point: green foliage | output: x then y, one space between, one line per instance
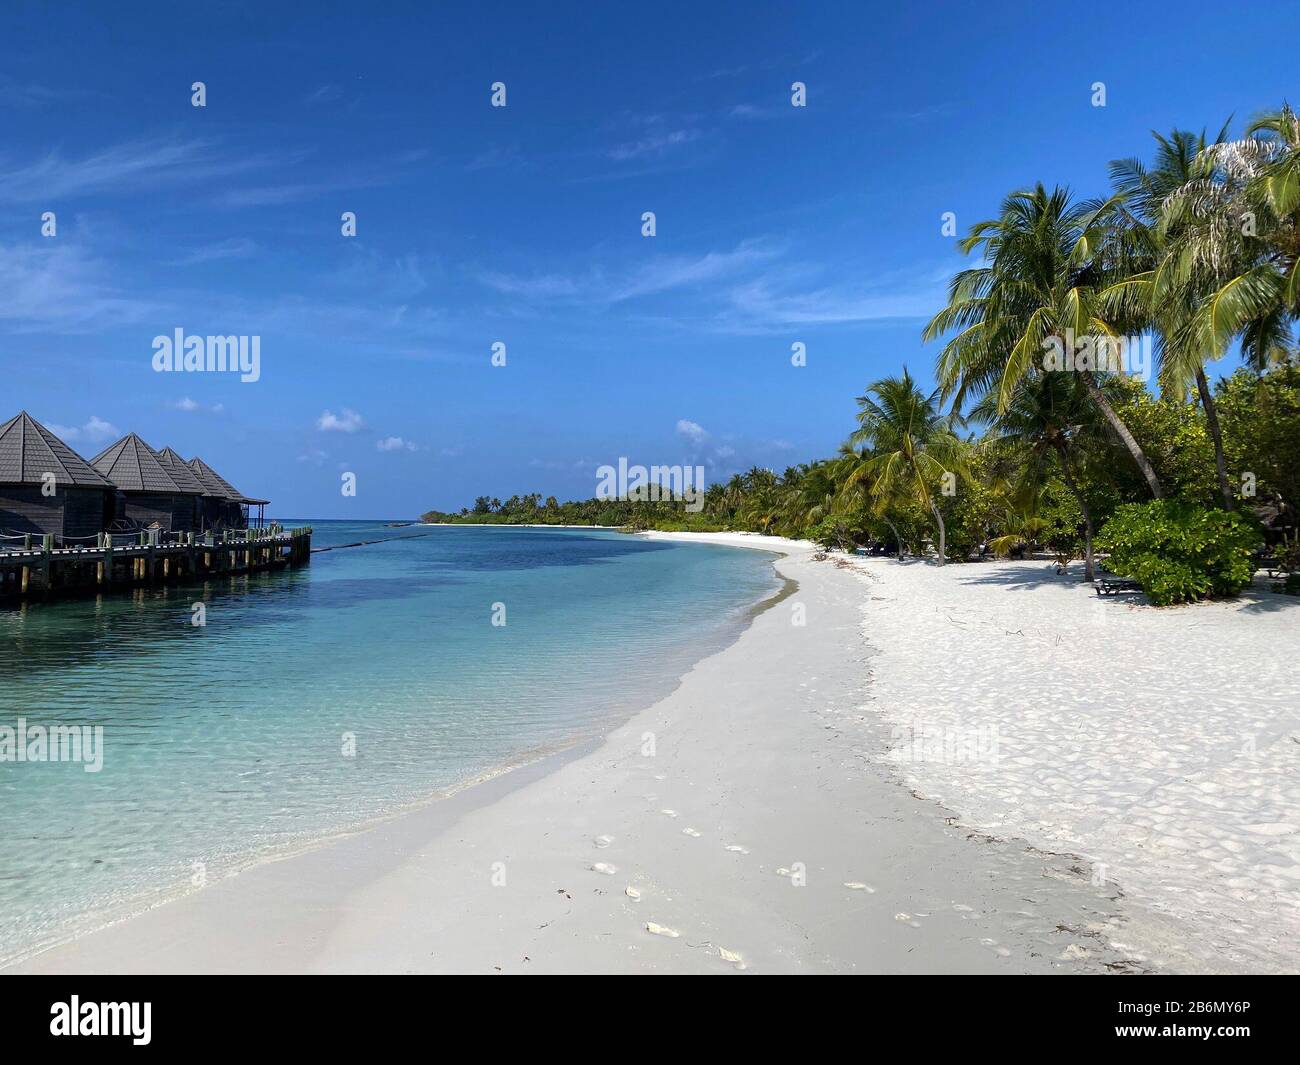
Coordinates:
1260 415
973 513
1062 517
1175 439
831 533
1179 552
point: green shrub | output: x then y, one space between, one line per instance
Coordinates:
830 533
1179 552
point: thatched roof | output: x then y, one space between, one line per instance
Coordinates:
28 451
133 467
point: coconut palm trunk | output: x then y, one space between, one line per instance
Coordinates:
1212 424
1122 431
1068 476
902 547
943 534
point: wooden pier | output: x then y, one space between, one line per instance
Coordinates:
38 569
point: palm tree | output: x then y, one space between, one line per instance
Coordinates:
1250 231
1158 298
1039 287
1048 418
806 496
1022 529
910 445
853 483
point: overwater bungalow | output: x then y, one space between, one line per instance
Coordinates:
131 516
148 495
46 487
186 478
225 504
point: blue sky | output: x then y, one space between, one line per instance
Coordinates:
522 224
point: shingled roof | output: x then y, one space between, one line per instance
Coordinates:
181 473
215 483
28 451
133 467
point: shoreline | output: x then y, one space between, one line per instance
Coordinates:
521 767
786 843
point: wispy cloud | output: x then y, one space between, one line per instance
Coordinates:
661 274
33 95
61 288
190 406
773 301
323 95
122 168
234 248
656 144
94 431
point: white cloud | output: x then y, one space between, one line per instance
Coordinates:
94 431
693 431
58 287
768 301
234 248
346 421
661 274
654 145
190 406
120 168
324 95
395 443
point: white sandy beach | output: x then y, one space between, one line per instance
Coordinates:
1163 745
756 820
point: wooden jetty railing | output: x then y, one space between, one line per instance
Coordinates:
37 568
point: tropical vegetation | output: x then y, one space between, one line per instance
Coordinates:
1043 432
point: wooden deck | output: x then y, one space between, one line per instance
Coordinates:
42 570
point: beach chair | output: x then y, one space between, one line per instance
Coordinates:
1111 585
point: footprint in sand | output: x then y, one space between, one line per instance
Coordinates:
605 868
907 919
603 841
661 930
690 832
736 848
731 956
632 893
858 885
669 813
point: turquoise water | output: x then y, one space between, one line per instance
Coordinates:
225 743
